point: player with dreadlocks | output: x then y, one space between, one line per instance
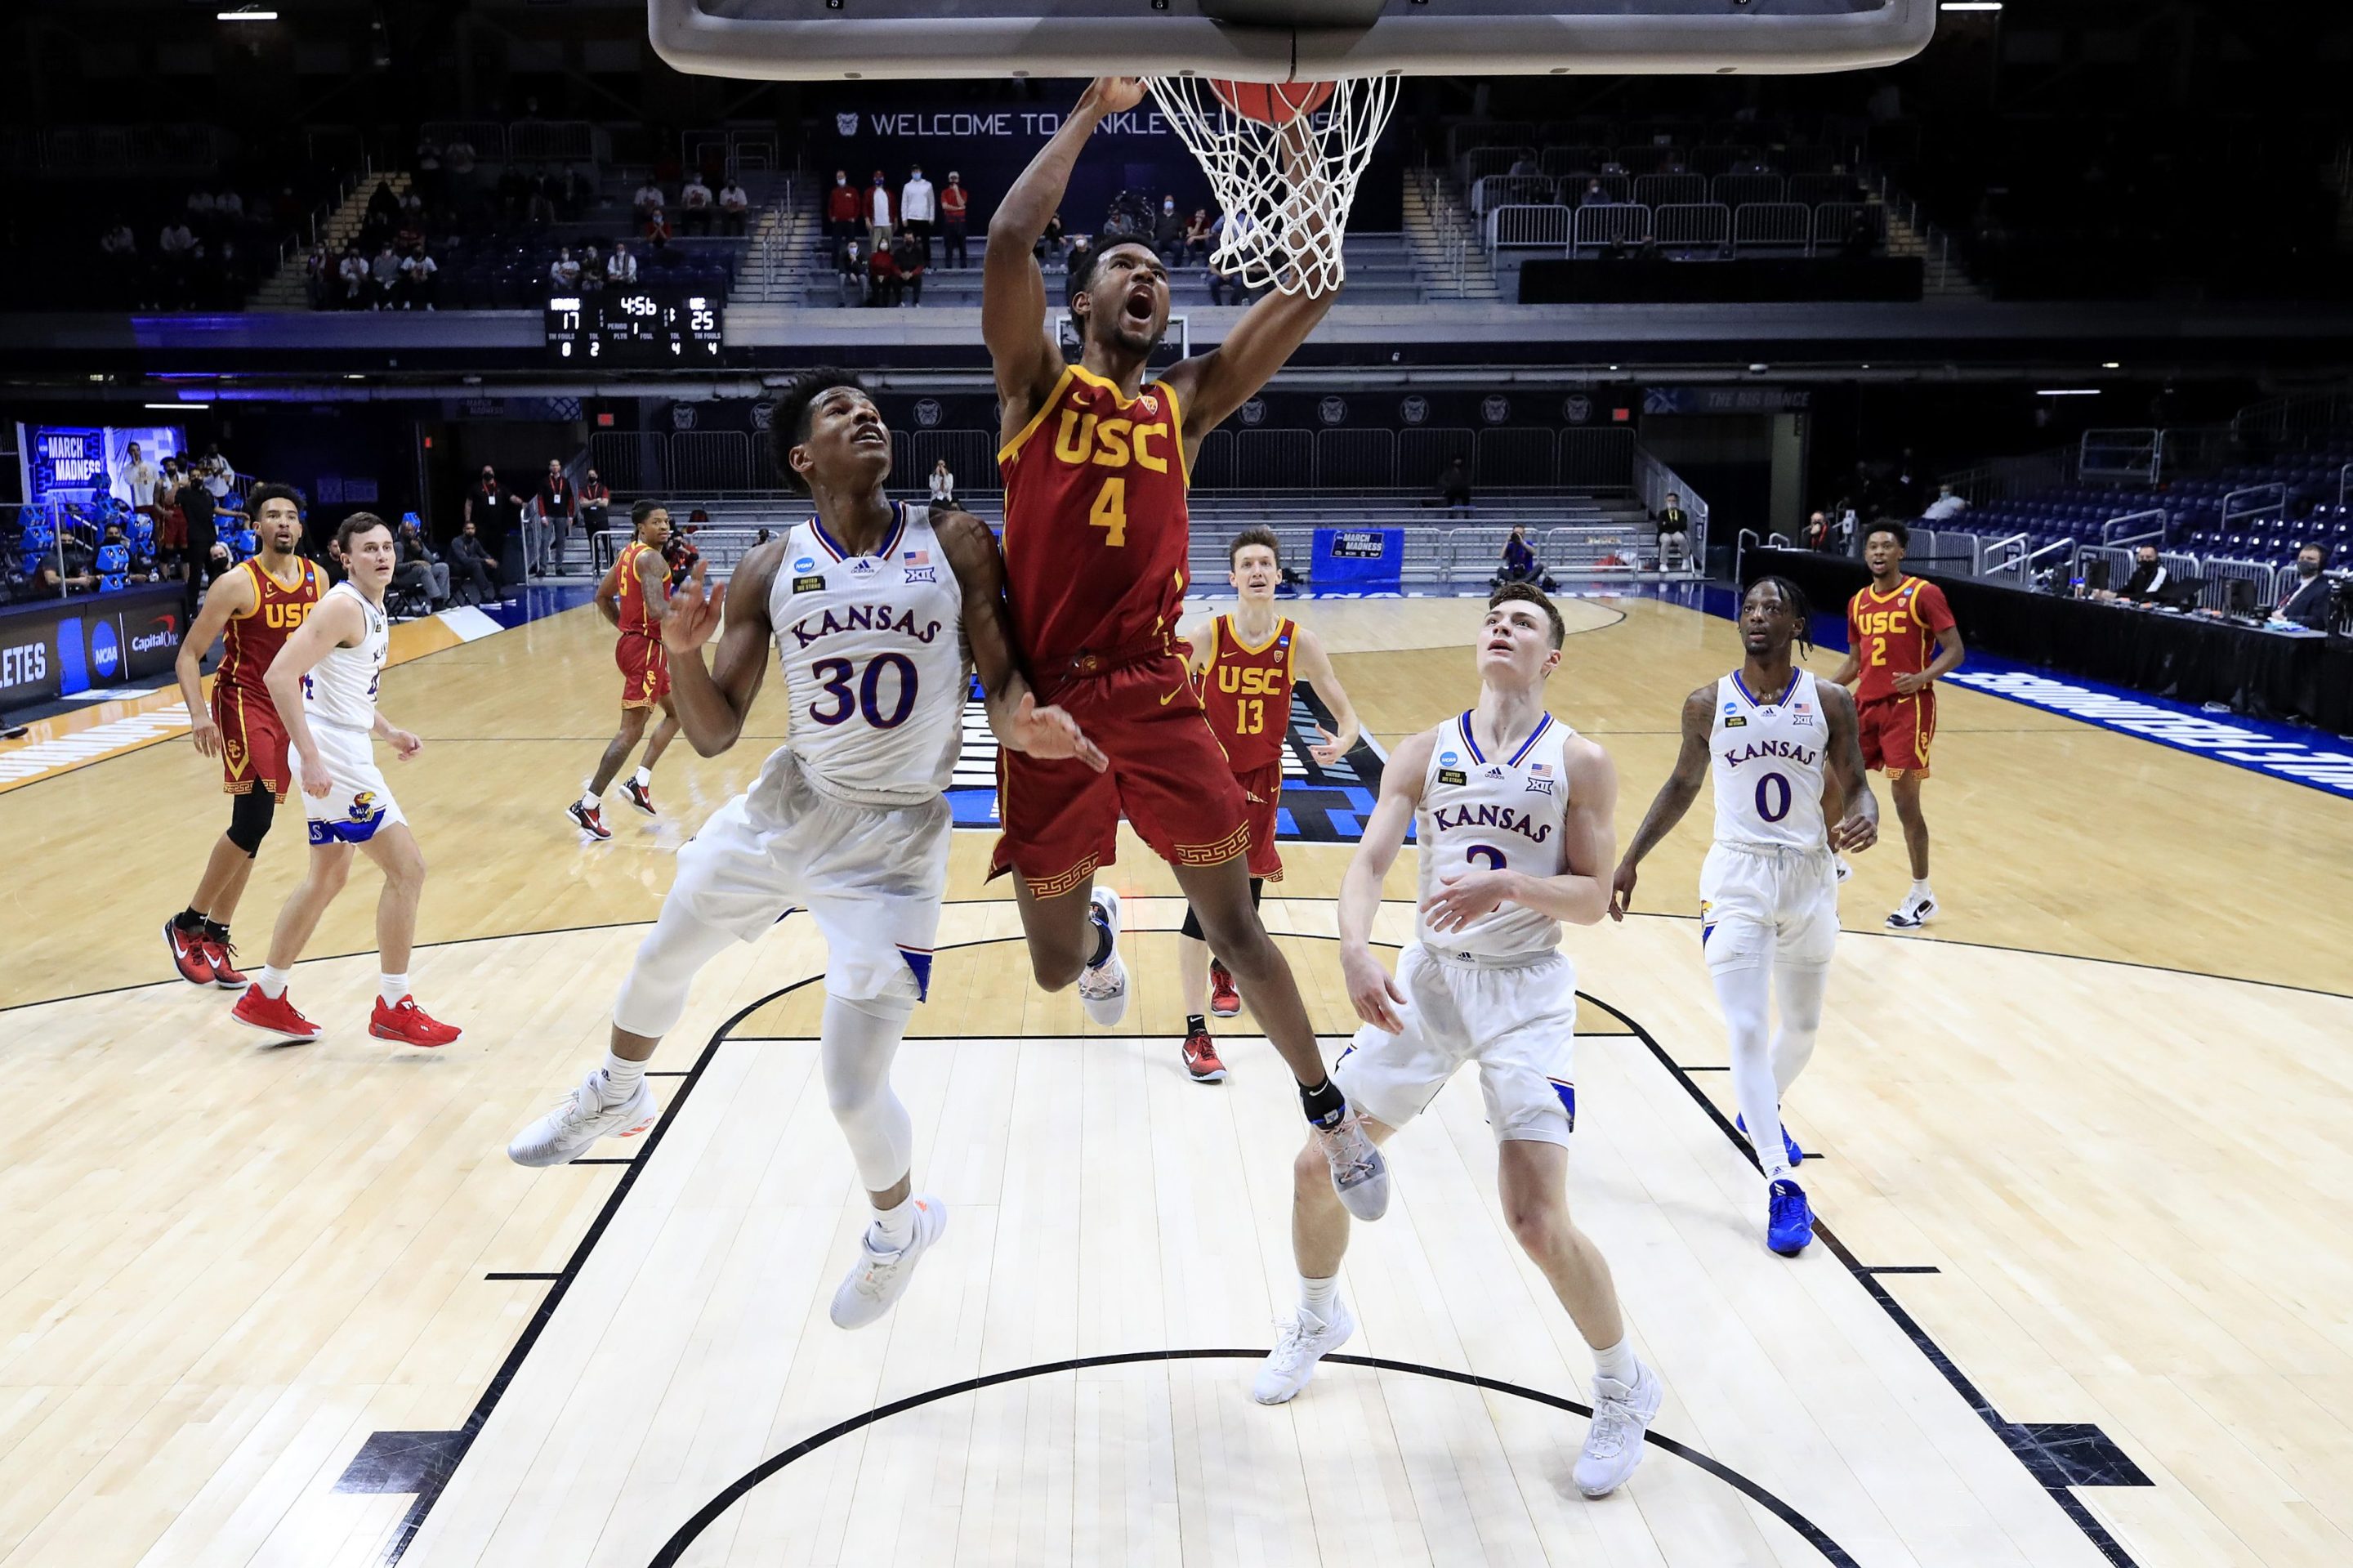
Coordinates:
1786 761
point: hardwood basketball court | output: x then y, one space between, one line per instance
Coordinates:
2080 1195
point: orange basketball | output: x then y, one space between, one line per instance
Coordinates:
1276 104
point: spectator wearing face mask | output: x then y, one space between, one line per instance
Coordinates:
1169 233
734 207
954 206
492 510
694 206
879 215
918 207
595 501
843 216
471 567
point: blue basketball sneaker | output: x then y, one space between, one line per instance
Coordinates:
1788 1145
1790 1225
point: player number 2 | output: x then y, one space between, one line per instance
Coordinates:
1772 796
1488 853
833 676
1878 651
1110 510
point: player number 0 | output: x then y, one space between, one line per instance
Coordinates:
1771 809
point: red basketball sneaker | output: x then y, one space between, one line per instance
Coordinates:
272 1016
1224 999
409 1024
188 953
589 820
223 959
1201 1059
640 796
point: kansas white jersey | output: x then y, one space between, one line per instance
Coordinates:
340 688
1769 764
872 653
1481 813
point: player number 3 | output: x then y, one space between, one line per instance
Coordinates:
833 678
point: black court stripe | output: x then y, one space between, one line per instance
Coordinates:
675 1548
2069 1503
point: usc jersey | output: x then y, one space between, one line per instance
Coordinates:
1247 692
630 591
254 637
1095 526
1894 634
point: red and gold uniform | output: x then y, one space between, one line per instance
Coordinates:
253 740
644 661
1893 634
1095 538
1247 691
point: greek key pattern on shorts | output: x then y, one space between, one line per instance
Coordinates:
1225 849
1055 886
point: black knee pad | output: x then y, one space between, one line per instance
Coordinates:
250 819
1192 926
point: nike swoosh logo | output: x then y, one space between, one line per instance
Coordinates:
1172 696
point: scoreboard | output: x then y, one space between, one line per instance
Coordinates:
636 327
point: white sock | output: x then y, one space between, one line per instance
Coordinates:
271 982
894 1227
588 800
1316 1296
1617 1362
622 1078
645 777
1920 888
392 988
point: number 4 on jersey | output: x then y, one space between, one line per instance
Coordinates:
1110 510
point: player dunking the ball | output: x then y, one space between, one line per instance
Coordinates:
324 682
1781 746
1095 462
1246 663
634 596
1511 812
257 607
1900 636
876 609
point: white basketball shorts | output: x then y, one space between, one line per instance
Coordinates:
1766 905
357 802
1517 1022
871 877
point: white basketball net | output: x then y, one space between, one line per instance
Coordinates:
1286 189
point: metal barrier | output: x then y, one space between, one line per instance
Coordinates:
1213 465
1480 162
1503 190
1760 224
1618 224
1602 459
2136 454
1424 451
487 138
552 142
2254 501
1671 190
1356 460
1572 191
2217 572
630 460
1572 158
1512 458
2156 515
1527 225
1747 190
1274 460
723 547
1692 223
2344 486
2004 557
710 459
1834 223
971 458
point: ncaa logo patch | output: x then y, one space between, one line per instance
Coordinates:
808 564
1448 759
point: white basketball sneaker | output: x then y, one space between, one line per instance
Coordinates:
1917 910
1303 1342
566 1133
1613 1444
1359 1174
1104 986
878 1279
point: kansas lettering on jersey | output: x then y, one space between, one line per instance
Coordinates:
254 637
1767 763
1484 813
1247 692
340 688
630 593
1095 524
1894 634
872 648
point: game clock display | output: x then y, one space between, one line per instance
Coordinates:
637 327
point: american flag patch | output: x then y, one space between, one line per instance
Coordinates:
1540 769
916 558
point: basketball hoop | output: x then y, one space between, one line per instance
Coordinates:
1284 160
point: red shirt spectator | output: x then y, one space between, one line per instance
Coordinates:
842 201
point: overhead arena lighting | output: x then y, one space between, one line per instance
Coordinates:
175 407
1971 5
2068 392
247 13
